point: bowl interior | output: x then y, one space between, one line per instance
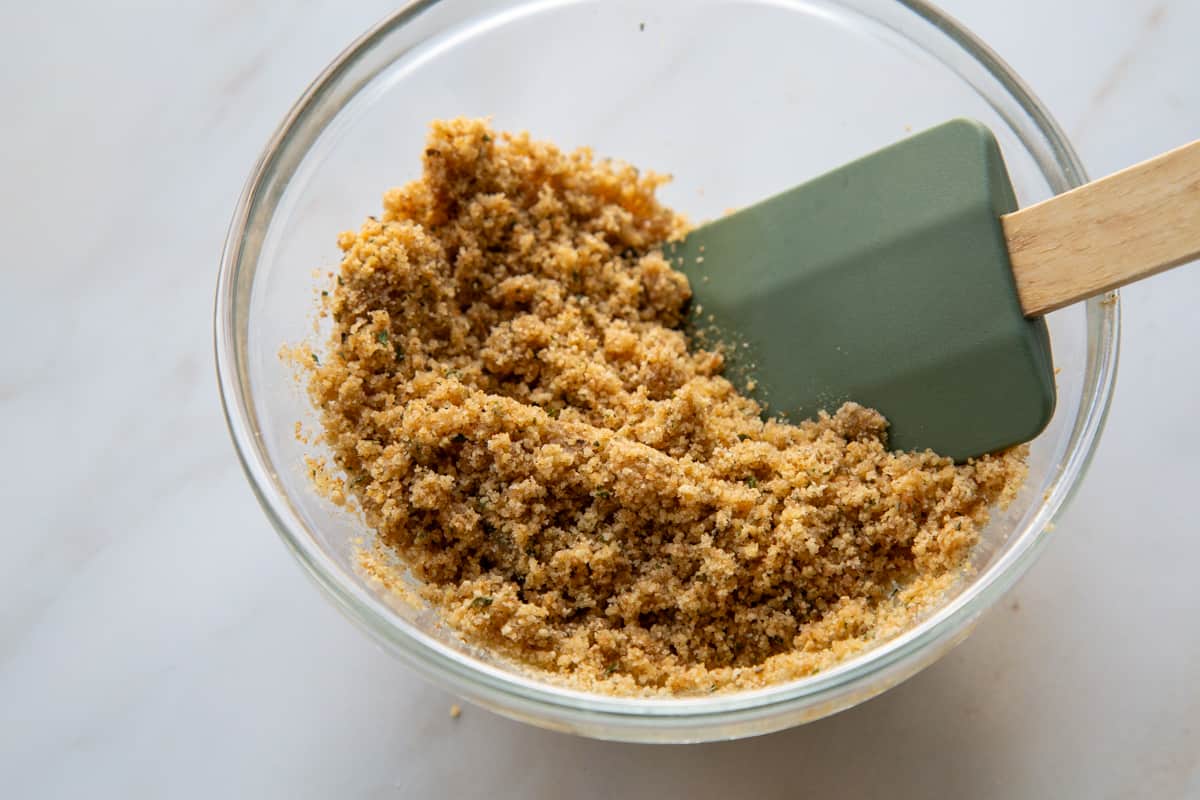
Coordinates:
736 99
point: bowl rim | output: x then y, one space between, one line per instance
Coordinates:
546 702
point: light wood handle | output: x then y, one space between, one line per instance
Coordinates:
1108 233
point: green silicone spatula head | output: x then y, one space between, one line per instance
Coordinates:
887 282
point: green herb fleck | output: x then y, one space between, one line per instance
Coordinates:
752 482
340 281
611 668
742 437
382 337
315 359
324 293
399 354
553 412
603 493
483 601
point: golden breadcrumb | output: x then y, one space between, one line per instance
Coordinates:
509 397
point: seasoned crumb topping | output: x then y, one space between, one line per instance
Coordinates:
515 408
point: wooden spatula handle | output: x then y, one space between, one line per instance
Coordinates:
1111 232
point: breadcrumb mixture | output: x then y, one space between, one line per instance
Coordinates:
514 406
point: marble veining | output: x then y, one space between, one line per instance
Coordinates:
157 641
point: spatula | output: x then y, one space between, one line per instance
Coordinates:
907 281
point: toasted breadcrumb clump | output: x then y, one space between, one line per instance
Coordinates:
517 411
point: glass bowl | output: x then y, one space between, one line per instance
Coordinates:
738 99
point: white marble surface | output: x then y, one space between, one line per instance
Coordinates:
157 641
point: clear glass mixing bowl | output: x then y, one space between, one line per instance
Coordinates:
738 99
